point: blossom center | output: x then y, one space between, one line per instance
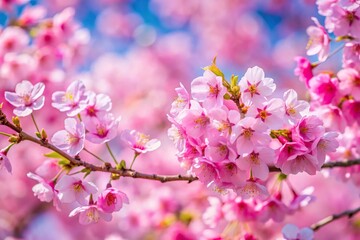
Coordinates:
78 187
111 199
247 133
254 157
214 90
93 215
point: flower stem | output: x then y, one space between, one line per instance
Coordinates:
92 154
111 153
315 64
33 118
6 134
135 156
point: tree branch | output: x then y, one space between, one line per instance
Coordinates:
76 161
107 167
329 219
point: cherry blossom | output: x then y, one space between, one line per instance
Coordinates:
72 138
72 101
139 142
72 189
26 98
111 200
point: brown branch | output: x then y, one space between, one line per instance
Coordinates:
341 164
76 161
329 219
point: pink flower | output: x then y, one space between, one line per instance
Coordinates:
294 108
205 170
208 89
272 208
194 120
303 70
72 101
301 163
97 103
139 142
319 42
308 129
294 157
31 15
271 113
292 232
323 88
90 214
72 138
101 129
73 189
344 21
181 102
256 162
351 111
255 86
13 39
326 144
218 150
44 190
349 82
252 189
248 133
26 98
112 200
351 55
4 160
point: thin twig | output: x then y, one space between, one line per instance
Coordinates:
329 219
76 161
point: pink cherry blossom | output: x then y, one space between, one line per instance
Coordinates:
102 128
301 163
205 170
4 160
271 113
323 88
248 133
72 101
13 39
351 111
31 15
252 189
139 142
255 86
273 208
292 232
256 162
328 143
349 82
218 150
319 41
208 89
111 200
97 103
303 69
45 190
73 189
294 108
26 98
181 102
344 21
72 138
351 55
309 128
194 120
90 214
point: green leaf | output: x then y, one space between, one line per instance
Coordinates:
62 160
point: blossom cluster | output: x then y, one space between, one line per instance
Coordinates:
335 94
228 138
89 118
